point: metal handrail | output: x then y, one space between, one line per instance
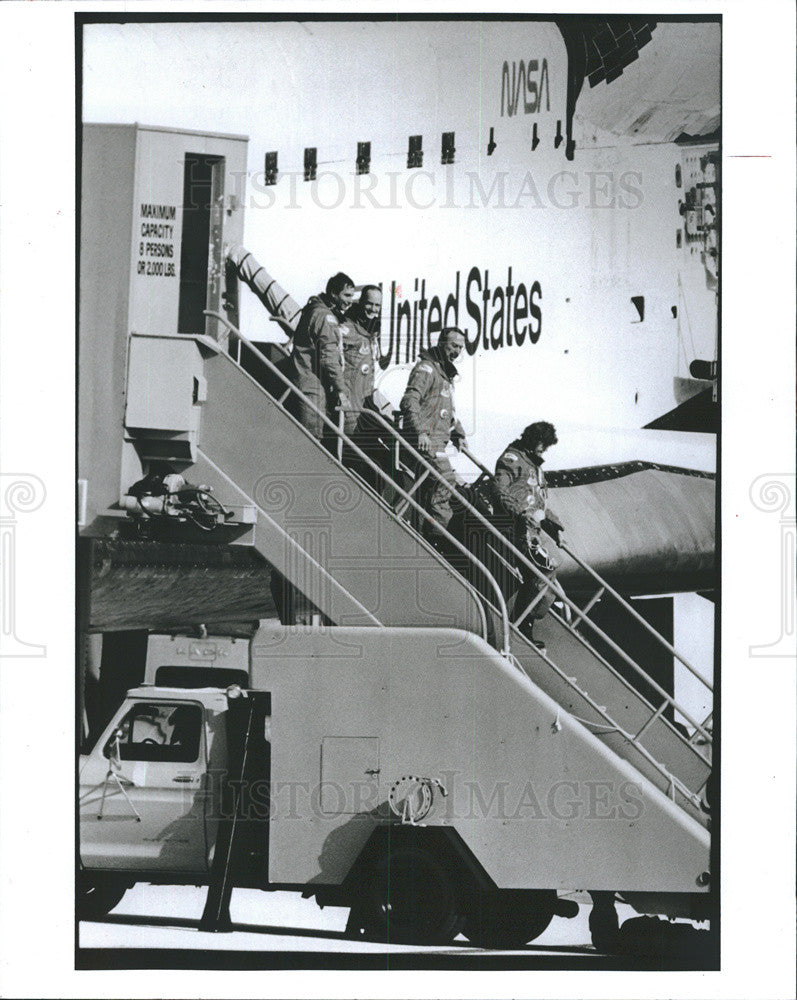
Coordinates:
667 699
609 589
566 600
420 460
613 725
385 477
635 614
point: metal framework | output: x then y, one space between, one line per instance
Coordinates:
579 615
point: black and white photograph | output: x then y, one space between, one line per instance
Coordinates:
405 480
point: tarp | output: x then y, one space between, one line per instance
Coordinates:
163 586
646 528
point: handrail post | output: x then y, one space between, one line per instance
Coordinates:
588 606
519 619
635 614
341 425
401 508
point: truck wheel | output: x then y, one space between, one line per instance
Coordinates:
509 918
411 898
97 895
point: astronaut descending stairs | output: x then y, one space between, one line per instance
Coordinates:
359 563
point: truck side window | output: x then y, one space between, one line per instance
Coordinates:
159 732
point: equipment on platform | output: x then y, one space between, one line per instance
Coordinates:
170 496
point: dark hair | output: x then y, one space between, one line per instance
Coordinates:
338 282
369 288
446 332
540 432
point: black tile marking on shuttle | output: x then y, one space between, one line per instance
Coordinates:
415 152
310 163
270 168
603 473
699 413
598 48
363 164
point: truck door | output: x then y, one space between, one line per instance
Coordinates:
143 788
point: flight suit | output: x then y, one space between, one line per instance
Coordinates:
519 498
428 408
318 320
348 356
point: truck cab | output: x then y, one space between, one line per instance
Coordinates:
459 803
145 799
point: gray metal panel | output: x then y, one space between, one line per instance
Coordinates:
538 799
160 159
190 131
106 209
123 168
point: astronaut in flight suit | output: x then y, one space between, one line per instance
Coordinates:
515 502
519 499
349 351
430 421
321 316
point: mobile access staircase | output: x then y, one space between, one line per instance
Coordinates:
361 563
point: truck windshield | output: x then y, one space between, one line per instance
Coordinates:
158 731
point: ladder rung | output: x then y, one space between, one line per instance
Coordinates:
512 569
588 606
401 508
656 715
534 603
